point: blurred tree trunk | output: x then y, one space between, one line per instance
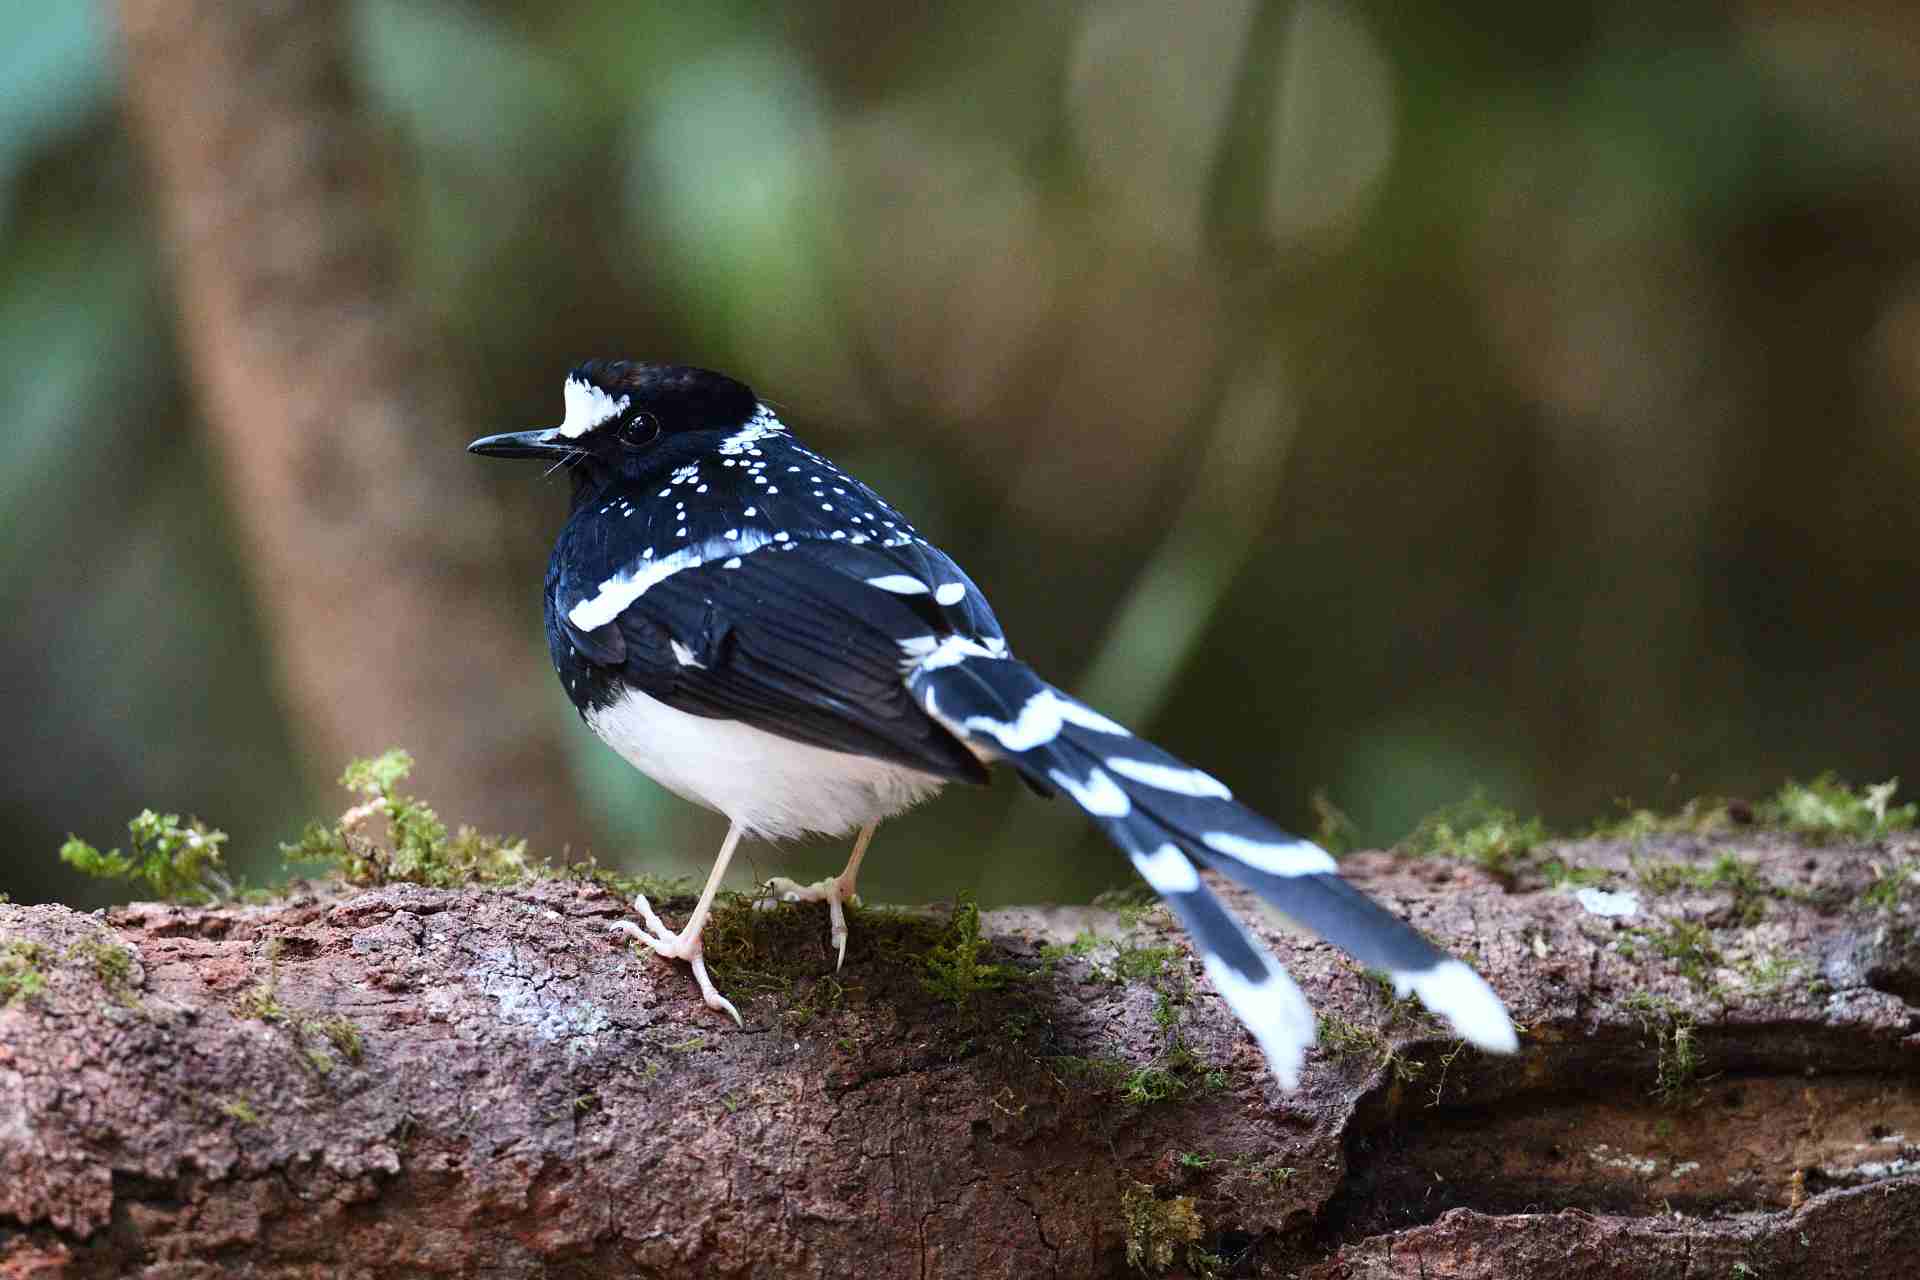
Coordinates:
373 543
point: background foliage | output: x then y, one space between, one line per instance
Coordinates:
1380 398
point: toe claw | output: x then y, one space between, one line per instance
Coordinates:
710 994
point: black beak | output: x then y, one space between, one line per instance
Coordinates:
546 443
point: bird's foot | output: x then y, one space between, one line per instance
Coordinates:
833 891
676 946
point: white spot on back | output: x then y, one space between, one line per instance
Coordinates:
950 593
900 584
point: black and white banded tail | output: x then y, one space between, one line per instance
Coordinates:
1165 815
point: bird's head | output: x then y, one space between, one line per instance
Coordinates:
625 418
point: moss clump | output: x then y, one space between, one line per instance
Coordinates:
1890 884
1333 830
416 848
261 1002
1749 888
954 972
1828 809
1702 815
111 964
1774 969
1677 1061
240 1109
1084 943
177 862
1140 964
1688 945
1344 1038
343 1035
1159 1231
1477 830
1564 875
755 952
1132 903
1691 948
21 978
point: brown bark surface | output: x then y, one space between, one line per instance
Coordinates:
374 545
420 1082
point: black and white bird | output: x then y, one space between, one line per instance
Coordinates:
764 635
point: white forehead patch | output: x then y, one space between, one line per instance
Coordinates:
587 407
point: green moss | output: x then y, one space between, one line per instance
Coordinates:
1159 1231
1702 815
111 964
1772 970
414 847
1333 830
1139 964
1073 1073
1344 1038
1890 885
1477 830
1750 889
176 862
954 972
1196 1160
261 1001
240 1109
1679 1067
1564 875
1677 1061
1150 1086
21 978
1132 903
1084 943
1828 809
1691 948
343 1035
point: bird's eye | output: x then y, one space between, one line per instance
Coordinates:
639 430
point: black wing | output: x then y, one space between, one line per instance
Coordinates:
793 638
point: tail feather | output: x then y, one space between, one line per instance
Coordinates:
1166 815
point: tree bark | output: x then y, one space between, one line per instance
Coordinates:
375 548
418 1082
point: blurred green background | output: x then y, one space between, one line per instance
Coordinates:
1390 399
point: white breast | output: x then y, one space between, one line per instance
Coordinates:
773 786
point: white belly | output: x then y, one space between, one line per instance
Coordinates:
772 786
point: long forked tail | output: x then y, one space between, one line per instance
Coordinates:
1165 815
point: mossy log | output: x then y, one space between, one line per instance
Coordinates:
434 1082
